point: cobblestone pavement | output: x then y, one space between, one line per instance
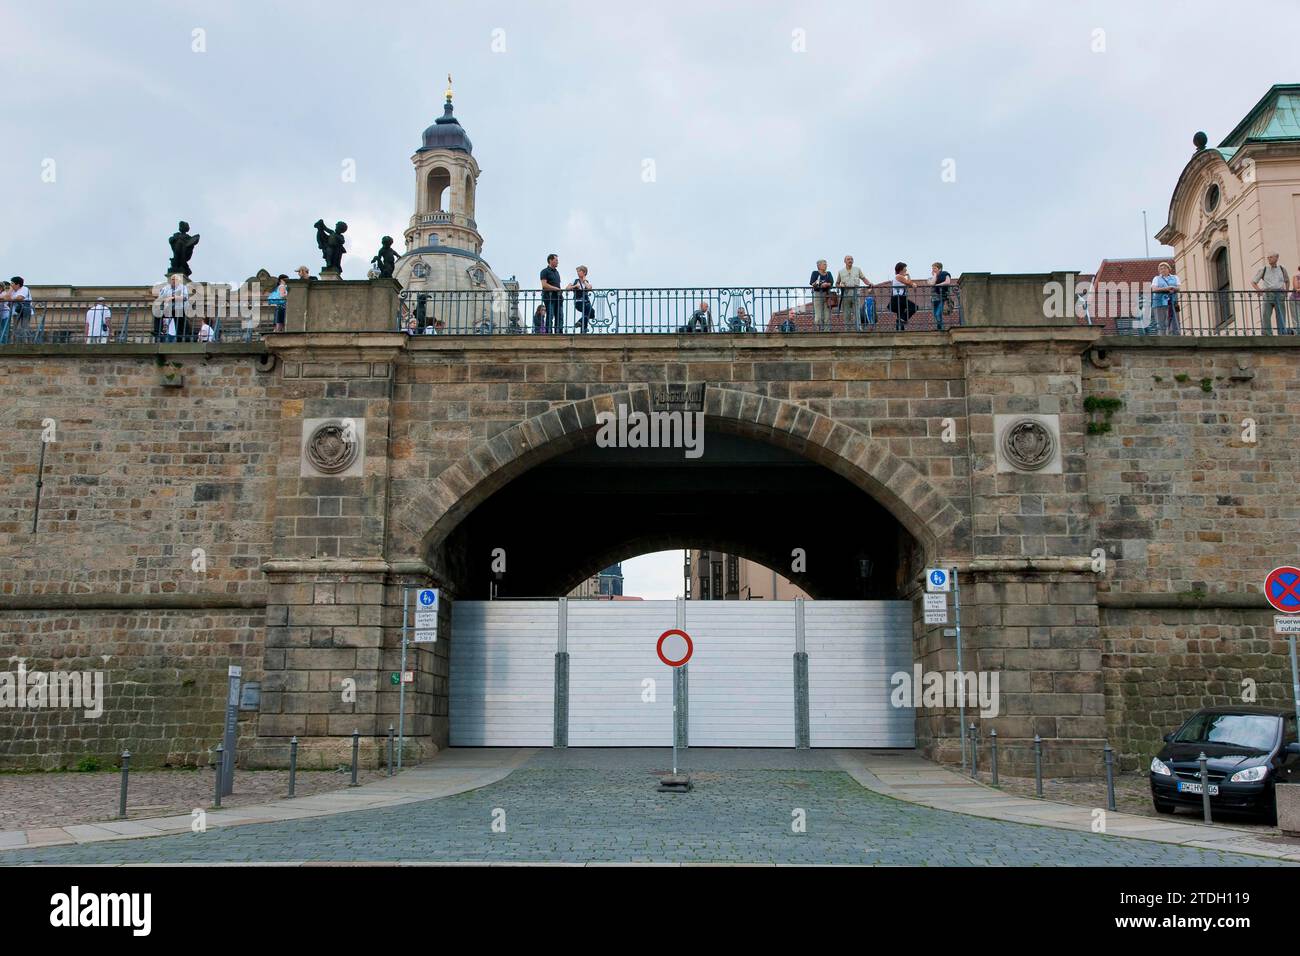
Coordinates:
31 800
602 806
1132 795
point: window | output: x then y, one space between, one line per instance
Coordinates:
1212 196
439 182
1221 276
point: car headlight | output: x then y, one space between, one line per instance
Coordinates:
1249 775
1158 766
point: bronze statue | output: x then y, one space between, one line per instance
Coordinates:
385 258
330 242
182 244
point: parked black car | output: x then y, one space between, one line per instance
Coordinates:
1249 749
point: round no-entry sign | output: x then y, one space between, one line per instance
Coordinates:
674 647
1282 588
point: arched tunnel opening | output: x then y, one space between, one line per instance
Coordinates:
564 520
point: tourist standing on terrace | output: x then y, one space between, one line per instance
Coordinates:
20 307
850 278
553 295
583 311
97 317
1271 282
169 310
1164 304
1295 301
821 282
940 281
279 297
900 303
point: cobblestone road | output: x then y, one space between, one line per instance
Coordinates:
602 806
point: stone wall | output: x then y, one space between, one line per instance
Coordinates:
1192 518
138 477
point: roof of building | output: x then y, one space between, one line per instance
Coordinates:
446 132
1275 117
1118 289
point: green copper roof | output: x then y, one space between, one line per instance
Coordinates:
1275 117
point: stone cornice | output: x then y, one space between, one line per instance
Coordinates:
131 602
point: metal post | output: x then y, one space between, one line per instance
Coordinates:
1038 765
974 752
219 767
121 797
1205 785
1295 682
401 682
1110 776
40 480
293 763
390 750
993 754
356 747
961 693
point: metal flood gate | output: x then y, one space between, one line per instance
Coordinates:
763 674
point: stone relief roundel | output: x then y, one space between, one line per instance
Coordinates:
332 447
1028 444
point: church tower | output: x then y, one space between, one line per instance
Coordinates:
443 244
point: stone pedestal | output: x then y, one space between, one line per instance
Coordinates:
1288 808
329 273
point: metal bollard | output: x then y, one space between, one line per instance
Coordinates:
390 749
993 754
1038 765
121 797
1205 785
356 746
1110 777
216 789
974 752
293 763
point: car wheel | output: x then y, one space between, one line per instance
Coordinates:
1161 806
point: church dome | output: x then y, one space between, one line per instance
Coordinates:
447 133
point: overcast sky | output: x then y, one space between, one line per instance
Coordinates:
772 133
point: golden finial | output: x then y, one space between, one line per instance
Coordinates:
448 87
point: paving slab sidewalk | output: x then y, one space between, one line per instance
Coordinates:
453 771
907 776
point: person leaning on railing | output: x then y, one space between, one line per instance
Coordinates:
279 297
849 280
1272 282
1164 304
940 299
900 303
583 310
19 297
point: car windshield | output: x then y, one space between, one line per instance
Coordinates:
1251 731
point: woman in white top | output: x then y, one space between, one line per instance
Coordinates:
206 333
97 317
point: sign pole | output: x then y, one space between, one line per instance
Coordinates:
401 687
1295 682
961 696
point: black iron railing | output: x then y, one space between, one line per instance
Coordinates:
732 309
141 319
1139 311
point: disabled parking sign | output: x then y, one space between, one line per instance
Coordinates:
1282 588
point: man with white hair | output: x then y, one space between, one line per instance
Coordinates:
1271 282
97 318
